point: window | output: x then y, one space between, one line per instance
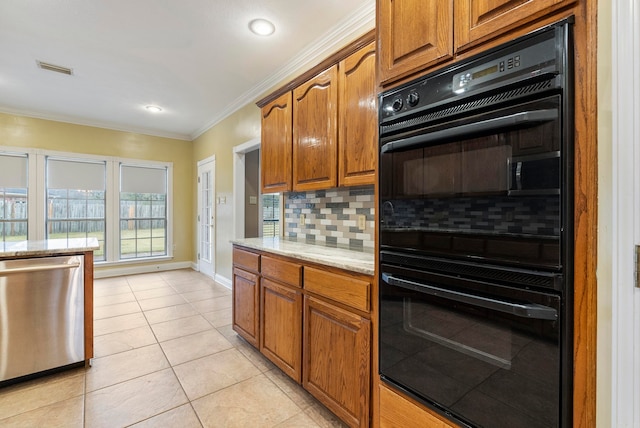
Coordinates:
271 214
13 197
76 201
124 203
143 211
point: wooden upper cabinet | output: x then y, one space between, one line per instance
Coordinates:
358 117
276 145
315 132
413 35
479 19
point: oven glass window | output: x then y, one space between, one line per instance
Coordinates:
491 368
498 191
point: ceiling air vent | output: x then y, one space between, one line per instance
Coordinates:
56 68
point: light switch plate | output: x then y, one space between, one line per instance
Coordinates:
302 219
362 222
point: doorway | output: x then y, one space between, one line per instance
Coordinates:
239 168
252 195
269 211
206 216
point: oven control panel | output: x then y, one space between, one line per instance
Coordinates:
531 61
508 64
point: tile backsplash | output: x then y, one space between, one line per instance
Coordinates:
331 216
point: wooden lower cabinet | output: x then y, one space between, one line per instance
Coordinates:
337 360
246 305
312 323
397 411
281 327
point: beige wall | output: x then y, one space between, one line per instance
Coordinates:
240 127
19 131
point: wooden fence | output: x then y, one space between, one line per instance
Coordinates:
80 216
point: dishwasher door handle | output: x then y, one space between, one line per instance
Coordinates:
31 269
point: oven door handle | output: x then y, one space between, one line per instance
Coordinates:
525 310
517 119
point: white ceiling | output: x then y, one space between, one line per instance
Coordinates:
194 58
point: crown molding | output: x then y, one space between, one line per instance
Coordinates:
354 26
96 124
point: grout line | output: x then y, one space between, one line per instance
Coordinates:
236 344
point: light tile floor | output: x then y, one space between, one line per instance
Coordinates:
165 356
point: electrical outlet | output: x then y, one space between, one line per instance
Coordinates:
302 219
362 222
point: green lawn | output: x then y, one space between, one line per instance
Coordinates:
128 241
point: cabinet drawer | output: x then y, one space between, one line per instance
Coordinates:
246 259
340 288
282 271
397 411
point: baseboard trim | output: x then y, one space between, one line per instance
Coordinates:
108 272
223 281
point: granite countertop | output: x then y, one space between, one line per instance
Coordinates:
360 260
46 247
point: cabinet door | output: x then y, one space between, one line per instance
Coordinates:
315 132
480 19
245 305
413 35
357 136
281 327
276 145
337 357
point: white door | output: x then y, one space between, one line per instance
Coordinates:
625 167
206 216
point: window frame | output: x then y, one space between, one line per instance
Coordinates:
37 199
50 220
276 222
136 218
21 154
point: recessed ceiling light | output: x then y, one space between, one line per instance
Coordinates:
262 27
154 109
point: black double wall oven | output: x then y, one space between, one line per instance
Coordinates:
476 235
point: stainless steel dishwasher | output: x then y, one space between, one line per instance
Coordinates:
41 314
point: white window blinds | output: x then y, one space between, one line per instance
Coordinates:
67 174
139 179
13 171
